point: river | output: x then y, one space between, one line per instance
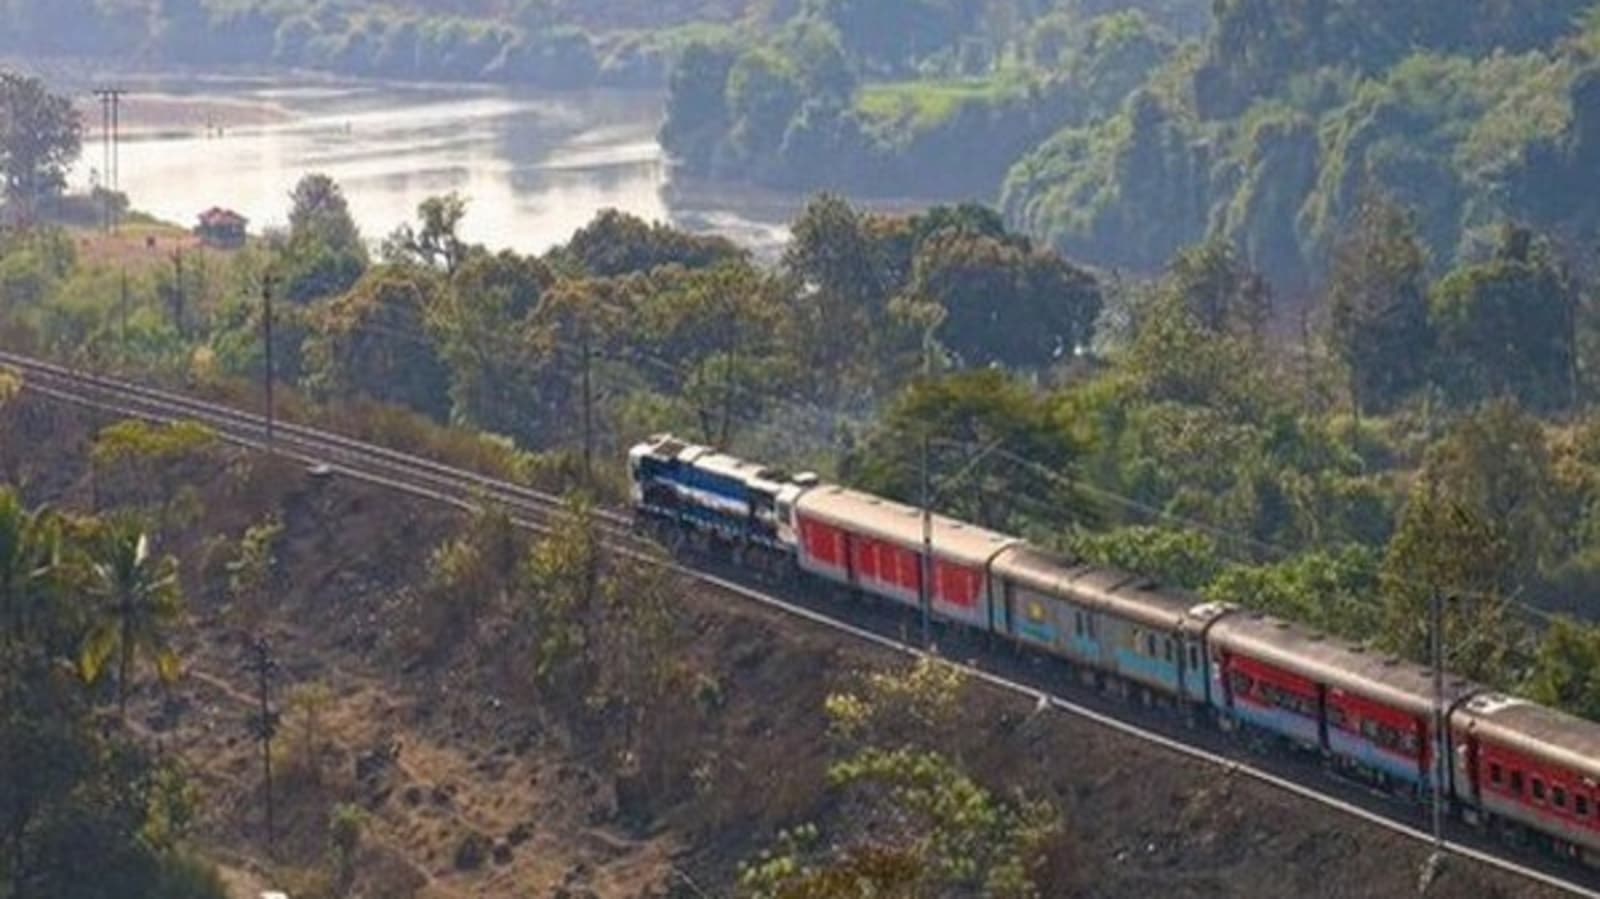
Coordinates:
535 165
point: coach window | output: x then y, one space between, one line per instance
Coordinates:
1150 645
1558 795
1538 788
1497 774
1194 657
1168 650
1580 805
1337 717
1242 683
1516 782
1077 623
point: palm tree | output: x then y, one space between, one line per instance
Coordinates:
138 599
31 569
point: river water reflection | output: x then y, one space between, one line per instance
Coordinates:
536 166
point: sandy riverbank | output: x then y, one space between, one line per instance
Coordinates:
144 114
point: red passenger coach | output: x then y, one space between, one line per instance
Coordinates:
1531 766
1366 710
875 545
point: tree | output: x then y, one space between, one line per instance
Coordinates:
616 243
764 93
437 243
600 625
1481 524
723 330
1176 358
1506 326
913 706
138 600
253 572
697 110
76 796
1186 559
40 136
963 414
1222 293
483 324
325 254
371 342
841 270
319 212
1566 669
1006 303
1378 306
32 571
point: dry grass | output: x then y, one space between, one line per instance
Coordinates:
140 247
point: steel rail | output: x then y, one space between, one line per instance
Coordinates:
441 483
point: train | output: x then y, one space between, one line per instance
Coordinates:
1511 766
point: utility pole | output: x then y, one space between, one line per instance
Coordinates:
1435 861
177 291
925 582
266 328
110 126
105 159
588 400
729 373
265 723
122 308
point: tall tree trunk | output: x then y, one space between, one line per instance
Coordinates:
125 650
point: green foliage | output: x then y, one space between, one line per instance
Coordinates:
1331 590
919 106
324 255
436 242
484 325
253 571
137 599
934 829
916 706
1005 302
966 837
1566 669
1180 558
40 135
1506 327
616 243
138 441
468 576
961 415
597 624
1480 525
345 825
80 796
371 342
1378 315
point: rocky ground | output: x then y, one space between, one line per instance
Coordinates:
470 790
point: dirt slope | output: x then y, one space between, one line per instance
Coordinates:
469 790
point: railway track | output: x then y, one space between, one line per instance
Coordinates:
532 509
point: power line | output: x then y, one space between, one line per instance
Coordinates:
1282 553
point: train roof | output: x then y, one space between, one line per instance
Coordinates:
1533 730
712 460
892 522
1116 592
1337 663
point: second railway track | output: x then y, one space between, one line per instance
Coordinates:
532 508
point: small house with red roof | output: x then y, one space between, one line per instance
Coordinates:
222 228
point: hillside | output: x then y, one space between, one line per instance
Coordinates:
469 784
